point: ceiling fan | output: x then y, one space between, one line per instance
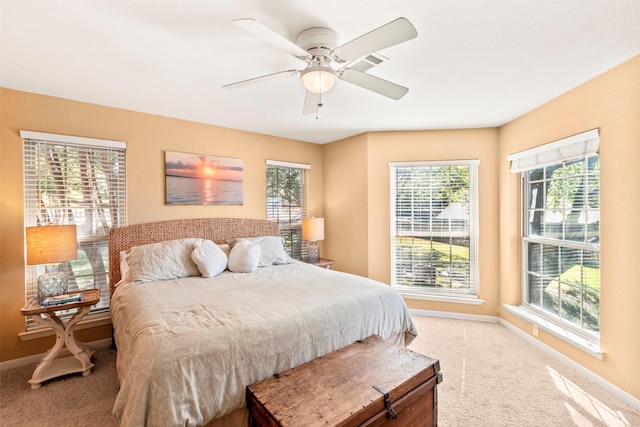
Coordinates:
327 61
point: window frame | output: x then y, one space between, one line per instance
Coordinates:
469 295
577 147
291 228
561 244
93 238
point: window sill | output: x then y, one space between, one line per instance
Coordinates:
37 333
442 298
553 328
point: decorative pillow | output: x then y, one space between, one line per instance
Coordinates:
163 261
272 250
244 257
210 258
125 276
225 248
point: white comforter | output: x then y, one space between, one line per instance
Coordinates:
187 348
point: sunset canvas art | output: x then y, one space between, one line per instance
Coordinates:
197 179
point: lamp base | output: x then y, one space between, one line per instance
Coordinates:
313 252
52 283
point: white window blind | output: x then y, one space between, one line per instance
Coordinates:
287 202
434 227
81 181
578 146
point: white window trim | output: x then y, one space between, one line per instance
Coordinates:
455 299
291 165
574 147
475 162
74 140
444 296
93 319
551 326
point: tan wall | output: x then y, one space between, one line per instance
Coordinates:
610 102
147 138
355 178
463 144
359 201
345 204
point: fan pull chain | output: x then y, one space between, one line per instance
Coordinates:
319 98
319 104
319 94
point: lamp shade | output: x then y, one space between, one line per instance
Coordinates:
312 229
51 244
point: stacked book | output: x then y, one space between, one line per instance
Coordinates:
61 299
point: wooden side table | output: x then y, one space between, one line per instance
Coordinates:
55 364
324 263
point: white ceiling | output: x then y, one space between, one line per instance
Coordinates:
473 64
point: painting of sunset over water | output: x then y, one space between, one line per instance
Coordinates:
196 179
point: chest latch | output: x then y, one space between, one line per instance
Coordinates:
387 403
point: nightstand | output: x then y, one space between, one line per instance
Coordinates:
324 263
55 364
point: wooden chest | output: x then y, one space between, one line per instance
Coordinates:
369 383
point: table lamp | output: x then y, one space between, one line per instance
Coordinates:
51 245
313 230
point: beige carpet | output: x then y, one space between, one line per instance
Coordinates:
492 377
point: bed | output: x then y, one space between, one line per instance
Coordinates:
189 346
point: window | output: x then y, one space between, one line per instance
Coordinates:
561 232
81 181
287 202
434 227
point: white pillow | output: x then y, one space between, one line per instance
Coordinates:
163 261
272 250
125 276
244 257
210 258
225 248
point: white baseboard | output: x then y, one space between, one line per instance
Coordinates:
28 360
452 315
611 388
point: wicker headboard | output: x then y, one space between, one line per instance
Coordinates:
220 230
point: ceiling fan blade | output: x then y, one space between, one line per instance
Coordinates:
267 34
375 84
311 103
390 34
255 80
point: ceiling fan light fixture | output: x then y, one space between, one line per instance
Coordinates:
318 80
